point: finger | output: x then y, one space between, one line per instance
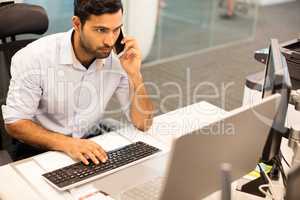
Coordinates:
101 151
99 148
131 53
91 155
98 151
127 38
82 158
99 155
129 45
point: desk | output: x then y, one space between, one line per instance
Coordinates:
23 178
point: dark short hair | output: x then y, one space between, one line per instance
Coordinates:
84 8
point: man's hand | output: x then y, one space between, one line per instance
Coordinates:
141 110
84 149
131 60
34 134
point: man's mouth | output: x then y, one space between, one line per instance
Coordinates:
105 49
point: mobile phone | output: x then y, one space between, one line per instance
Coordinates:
119 47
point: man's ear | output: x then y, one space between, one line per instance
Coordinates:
76 23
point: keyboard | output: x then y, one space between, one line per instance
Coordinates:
79 173
150 190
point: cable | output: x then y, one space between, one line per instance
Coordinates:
260 188
279 164
286 162
268 186
273 193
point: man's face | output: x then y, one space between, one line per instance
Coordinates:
99 34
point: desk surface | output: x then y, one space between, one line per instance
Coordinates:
23 178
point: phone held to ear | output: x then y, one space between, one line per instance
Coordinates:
119 47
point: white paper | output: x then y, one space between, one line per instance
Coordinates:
33 174
134 135
82 191
53 160
98 196
110 141
166 128
88 192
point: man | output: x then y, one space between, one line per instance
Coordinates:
62 83
229 9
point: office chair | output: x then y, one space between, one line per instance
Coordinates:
4 158
15 19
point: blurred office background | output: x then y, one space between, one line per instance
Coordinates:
179 27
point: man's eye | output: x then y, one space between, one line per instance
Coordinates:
101 30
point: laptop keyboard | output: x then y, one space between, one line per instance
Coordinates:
150 190
79 173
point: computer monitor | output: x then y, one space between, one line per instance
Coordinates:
195 164
277 80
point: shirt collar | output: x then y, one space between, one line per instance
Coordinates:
66 52
67 55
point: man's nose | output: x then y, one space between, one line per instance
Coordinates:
109 40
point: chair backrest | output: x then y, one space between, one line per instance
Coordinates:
21 18
16 19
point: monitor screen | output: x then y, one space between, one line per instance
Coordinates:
269 76
277 80
277 76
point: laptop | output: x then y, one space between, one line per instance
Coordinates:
192 170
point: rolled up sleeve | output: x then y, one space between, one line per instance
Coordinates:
24 90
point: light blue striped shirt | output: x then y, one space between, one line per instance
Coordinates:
50 87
